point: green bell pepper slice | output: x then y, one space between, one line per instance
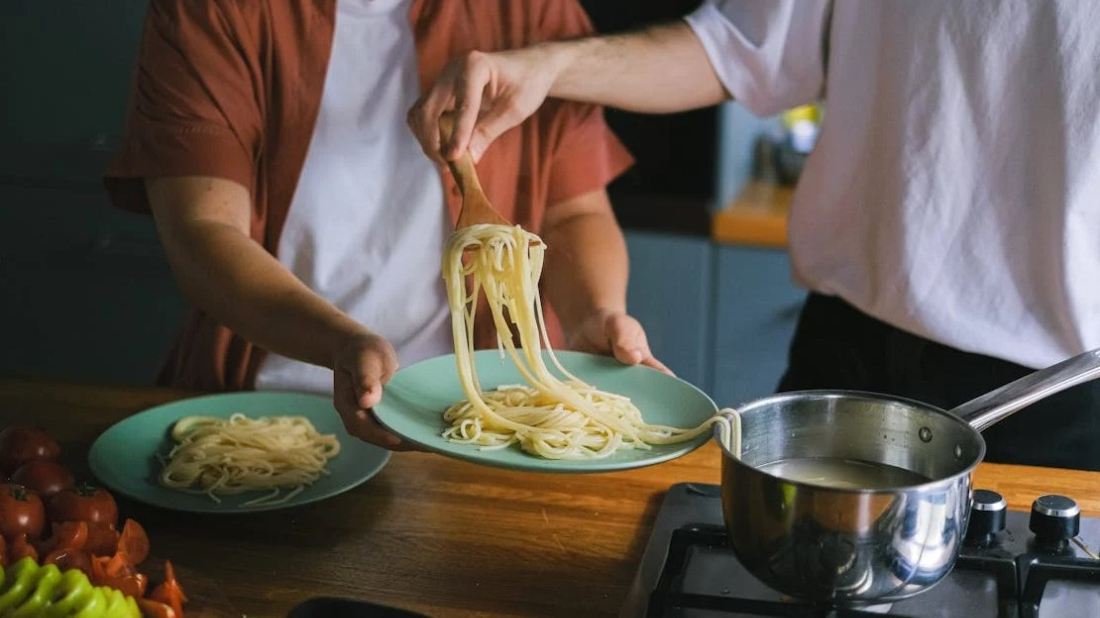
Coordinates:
18 579
93 606
46 580
70 593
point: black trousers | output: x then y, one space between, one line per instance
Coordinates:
836 346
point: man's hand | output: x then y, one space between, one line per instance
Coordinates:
661 69
490 94
359 369
616 334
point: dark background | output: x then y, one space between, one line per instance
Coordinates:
671 186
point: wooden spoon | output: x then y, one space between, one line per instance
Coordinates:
475 205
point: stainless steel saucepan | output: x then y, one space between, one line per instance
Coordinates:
857 543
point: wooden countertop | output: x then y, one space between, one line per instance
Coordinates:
757 216
430 534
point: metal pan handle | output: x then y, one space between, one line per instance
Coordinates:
997 405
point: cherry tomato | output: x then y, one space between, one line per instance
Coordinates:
134 542
19 548
45 476
65 535
156 609
20 444
66 559
102 539
84 503
170 592
21 512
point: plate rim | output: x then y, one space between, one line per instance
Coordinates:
214 507
534 464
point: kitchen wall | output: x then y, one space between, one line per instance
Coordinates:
86 294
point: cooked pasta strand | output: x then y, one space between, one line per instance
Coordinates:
548 416
219 457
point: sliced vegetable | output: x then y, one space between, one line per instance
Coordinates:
70 591
156 609
169 591
20 444
93 605
134 542
84 502
102 539
31 591
46 579
45 476
70 559
18 579
65 535
21 511
19 548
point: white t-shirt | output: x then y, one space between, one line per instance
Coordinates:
367 223
955 187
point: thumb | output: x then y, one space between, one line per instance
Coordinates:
626 338
491 125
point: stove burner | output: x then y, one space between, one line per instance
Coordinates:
690 571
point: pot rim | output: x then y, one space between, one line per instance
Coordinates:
857 394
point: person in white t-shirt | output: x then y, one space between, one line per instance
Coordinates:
947 224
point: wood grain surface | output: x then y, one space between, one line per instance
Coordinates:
438 536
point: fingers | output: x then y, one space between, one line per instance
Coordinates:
357 387
629 344
650 361
626 338
460 86
469 87
492 123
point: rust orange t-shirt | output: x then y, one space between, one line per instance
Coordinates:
232 90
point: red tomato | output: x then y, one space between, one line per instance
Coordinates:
84 503
170 592
45 476
65 535
102 539
21 512
19 548
134 542
21 444
155 609
66 559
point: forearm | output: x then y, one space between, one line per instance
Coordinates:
586 269
660 69
232 278
242 286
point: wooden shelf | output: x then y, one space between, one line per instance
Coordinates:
757 216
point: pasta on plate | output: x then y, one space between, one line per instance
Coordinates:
223 456
552 415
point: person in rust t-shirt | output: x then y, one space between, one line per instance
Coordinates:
268 141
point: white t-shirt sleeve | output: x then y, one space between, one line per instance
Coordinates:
769 54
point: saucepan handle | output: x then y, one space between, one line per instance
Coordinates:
997 405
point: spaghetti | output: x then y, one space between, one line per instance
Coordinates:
549 416
216 456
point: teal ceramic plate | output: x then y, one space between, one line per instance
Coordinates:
414 400
124 458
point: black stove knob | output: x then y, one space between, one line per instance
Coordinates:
987 518
1055 520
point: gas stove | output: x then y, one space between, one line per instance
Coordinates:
1013 565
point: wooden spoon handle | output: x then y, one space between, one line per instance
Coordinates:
463 168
